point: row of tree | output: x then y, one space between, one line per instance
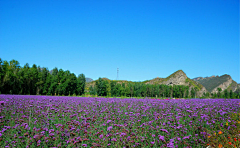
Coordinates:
224 94
105 87
34 80
113 88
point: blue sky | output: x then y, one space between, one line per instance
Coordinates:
144 39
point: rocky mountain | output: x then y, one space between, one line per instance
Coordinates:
201 78
214 82
179 78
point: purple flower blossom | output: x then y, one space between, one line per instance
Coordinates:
85 145
161 137
186 137
51 131
109 128
164 130
123 134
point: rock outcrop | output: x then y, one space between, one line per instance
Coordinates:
201 91
212 83
180 78
177 78
223 86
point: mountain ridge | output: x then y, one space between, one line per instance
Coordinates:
202 84
214 82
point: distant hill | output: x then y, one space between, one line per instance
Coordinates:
88 80
201 78
214 82
177 78
202 84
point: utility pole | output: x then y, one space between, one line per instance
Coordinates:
117 72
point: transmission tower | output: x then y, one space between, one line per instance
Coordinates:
117 72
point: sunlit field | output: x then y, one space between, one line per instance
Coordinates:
45 121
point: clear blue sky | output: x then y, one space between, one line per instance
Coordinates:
144 39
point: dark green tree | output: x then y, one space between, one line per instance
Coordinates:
226 94
81 82
231 94
113 88
219 92
101 87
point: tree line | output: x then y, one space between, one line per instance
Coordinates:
34 80
223 94
112 88
37 80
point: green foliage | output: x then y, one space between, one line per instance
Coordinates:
219 92
35 80
81 82
231 94
226 94
38 81
137 89
93 90
194 84
101 86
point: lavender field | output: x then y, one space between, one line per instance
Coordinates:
45 121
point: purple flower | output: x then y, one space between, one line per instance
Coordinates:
35 136
164 130
122 134
152 142
109 128
85 145
114 139
109 121
171 145
161 137
101 136
51 130
186 137
189 111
